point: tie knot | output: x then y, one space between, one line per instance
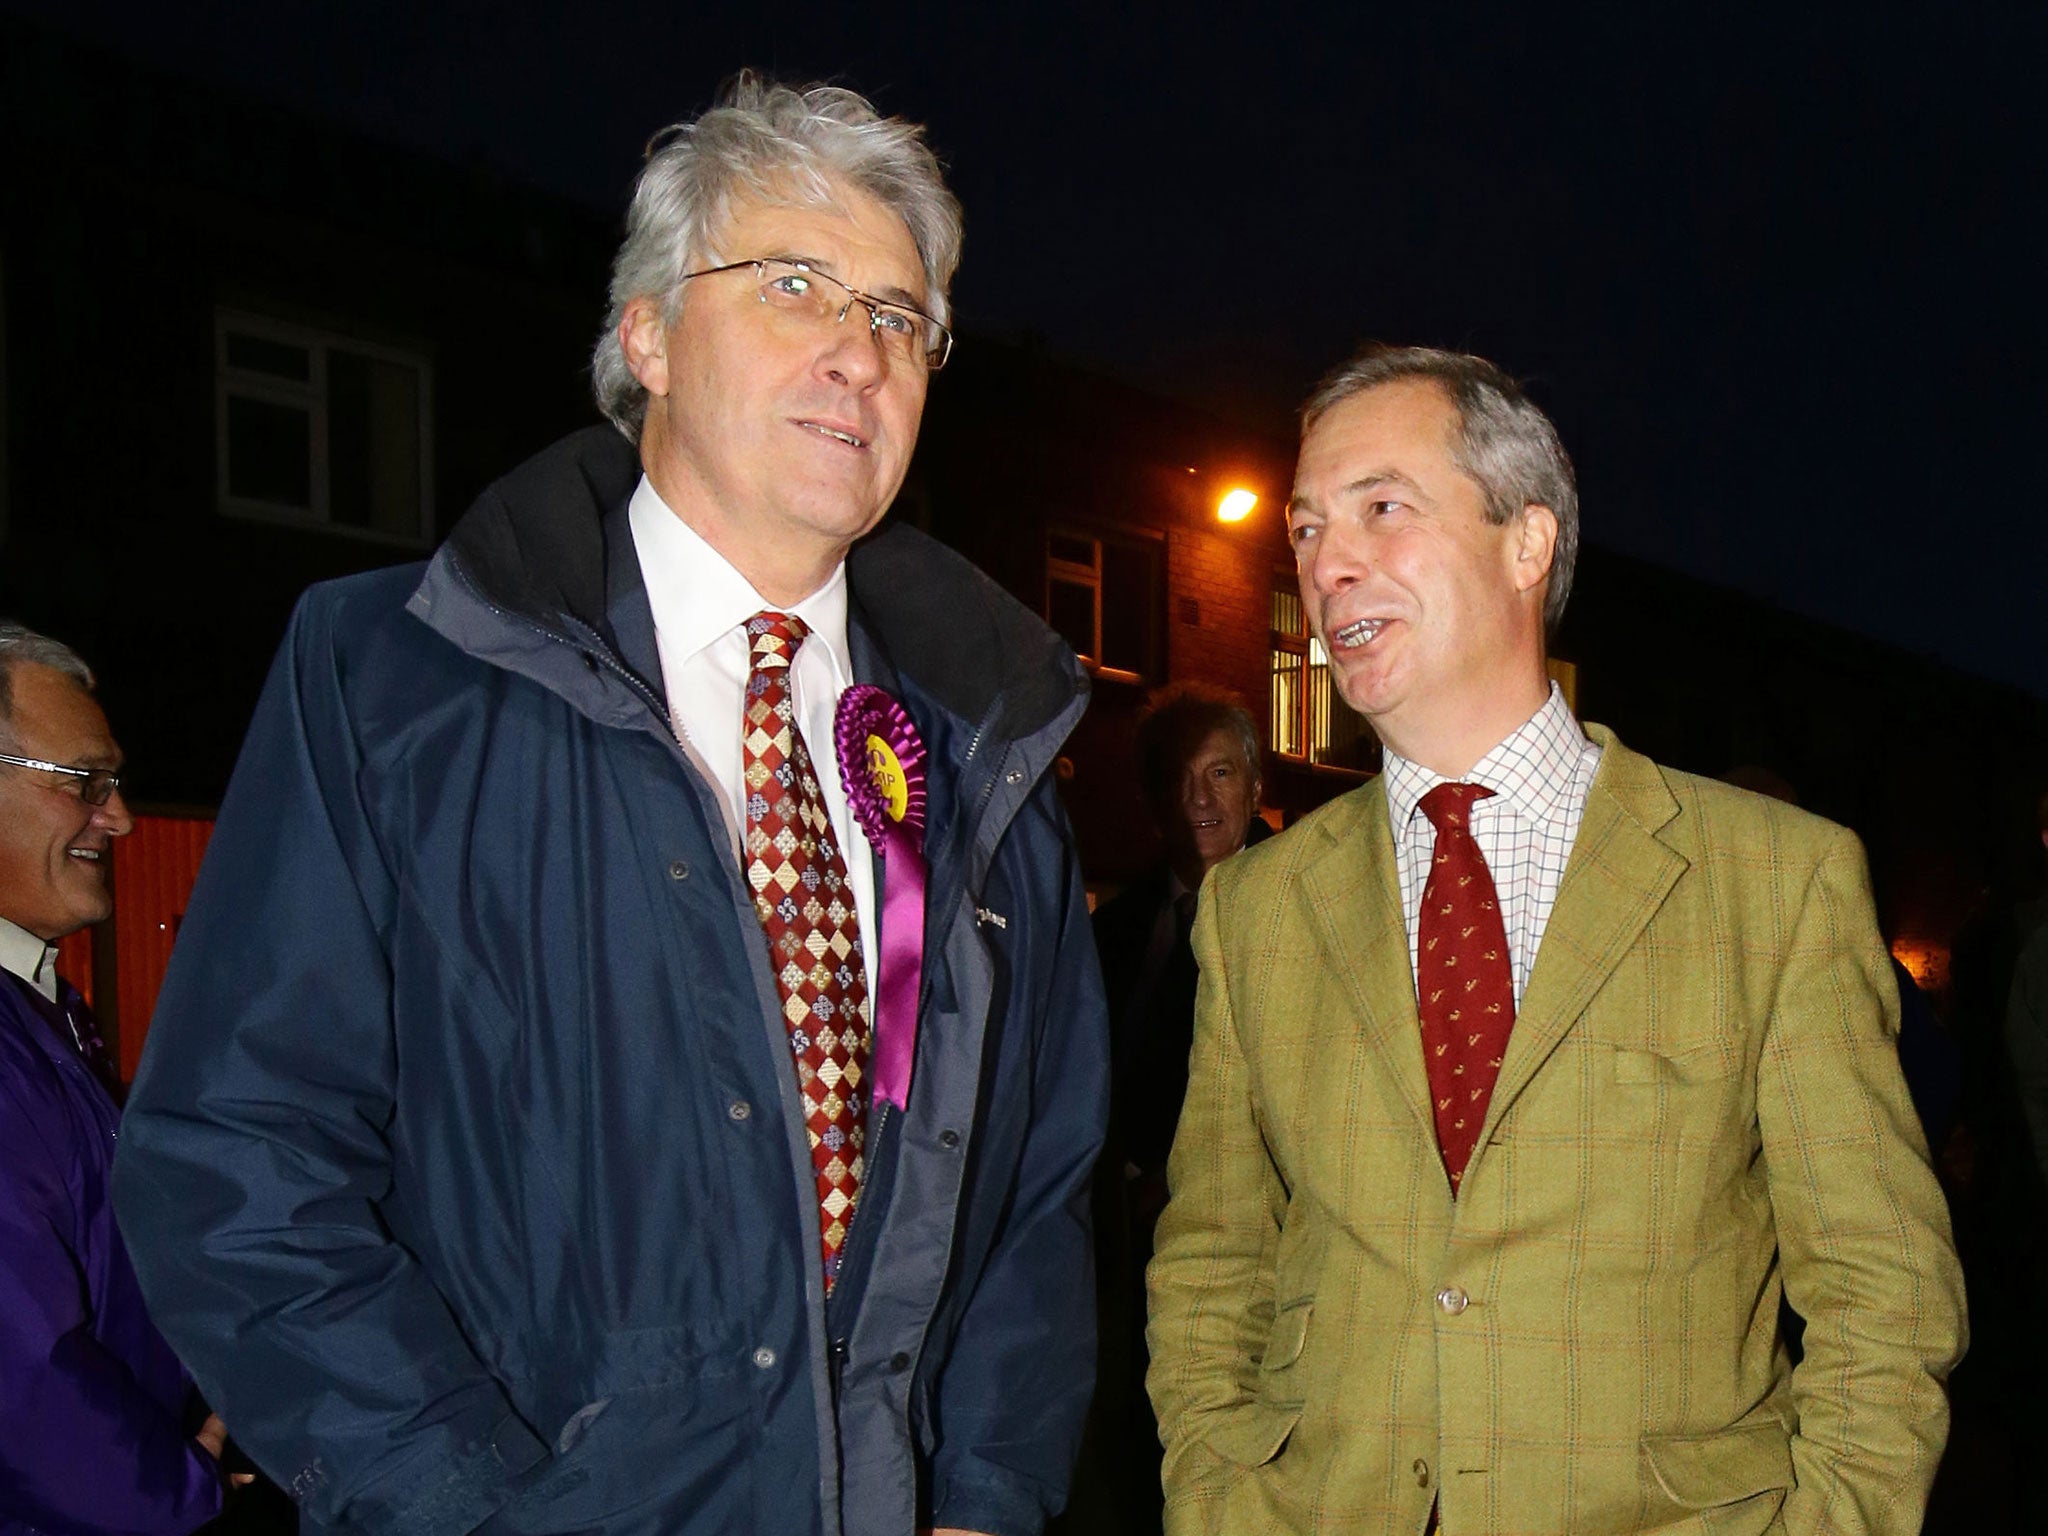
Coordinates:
774 638
1449 806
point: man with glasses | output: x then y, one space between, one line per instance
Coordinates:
559 1114
93 1404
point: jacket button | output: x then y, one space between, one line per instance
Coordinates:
764 1357
679 870
1421 1473
899 1361
1452 1299
1014 776
739 1109
949 1138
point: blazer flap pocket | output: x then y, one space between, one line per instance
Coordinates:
1643 1063
1252 1435
1701 1471
1288 1334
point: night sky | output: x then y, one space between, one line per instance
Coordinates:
1778 281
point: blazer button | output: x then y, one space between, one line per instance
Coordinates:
1452 1299
739 1109
679 870
1421 1473
764 1357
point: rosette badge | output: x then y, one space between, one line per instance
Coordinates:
881 763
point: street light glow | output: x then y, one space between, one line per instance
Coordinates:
1236 505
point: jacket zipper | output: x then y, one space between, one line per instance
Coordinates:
878 1117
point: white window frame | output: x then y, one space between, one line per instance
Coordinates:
311 397
1093 576
1073 573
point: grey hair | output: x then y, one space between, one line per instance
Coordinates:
22 646
780 143
1503 441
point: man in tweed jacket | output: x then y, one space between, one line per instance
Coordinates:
1698 1107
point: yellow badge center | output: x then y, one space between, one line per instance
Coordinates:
889 779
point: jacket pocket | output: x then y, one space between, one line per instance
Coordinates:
1288 1334
1255 1433
1701 1471
1678 1067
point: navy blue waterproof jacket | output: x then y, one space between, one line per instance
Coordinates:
466 1165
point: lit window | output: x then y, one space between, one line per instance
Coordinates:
1308 721
318 428
1106 597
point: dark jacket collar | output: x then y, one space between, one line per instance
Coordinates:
548 544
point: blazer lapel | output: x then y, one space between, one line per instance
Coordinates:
1618 876
1354 895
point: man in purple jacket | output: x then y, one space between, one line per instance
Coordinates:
92 1401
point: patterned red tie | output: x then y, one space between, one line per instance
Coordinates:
805 903
1465 990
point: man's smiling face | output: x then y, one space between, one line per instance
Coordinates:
55 850
1432 616
767 431
1216 796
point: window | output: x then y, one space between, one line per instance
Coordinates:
1107 598
322 429
1308 721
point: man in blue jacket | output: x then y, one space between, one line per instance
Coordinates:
93 1431
558 1116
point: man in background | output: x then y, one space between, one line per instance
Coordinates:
94 1406
1198 759
1198 764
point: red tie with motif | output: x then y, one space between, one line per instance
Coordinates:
805 903
1465 990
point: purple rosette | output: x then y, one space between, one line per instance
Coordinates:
881 765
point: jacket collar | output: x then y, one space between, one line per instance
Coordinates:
1619 874
547 548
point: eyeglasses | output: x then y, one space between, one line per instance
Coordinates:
905 335
96 786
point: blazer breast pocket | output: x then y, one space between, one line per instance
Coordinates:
1646 1065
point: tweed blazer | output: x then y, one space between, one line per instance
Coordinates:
1700 1108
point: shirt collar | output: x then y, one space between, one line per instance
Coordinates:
28 957
1529 771
699 597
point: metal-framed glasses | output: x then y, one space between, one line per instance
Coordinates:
794 286
96 786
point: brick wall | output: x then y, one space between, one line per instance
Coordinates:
1218 582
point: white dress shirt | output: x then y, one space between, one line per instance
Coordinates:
28 957
1525 829
701 605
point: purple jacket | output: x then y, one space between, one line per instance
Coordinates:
92 1400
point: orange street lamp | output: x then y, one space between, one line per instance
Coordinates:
1236 505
